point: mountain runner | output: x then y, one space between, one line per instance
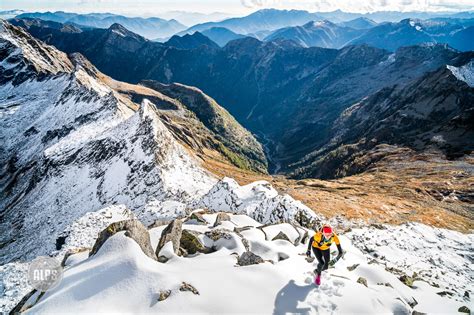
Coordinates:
321 242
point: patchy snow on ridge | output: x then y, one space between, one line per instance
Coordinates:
441 257
464 73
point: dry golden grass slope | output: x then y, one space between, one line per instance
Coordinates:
400 188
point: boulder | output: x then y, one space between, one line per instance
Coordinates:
191 244
248 258
187 287
172 233
281 236
71 252
407 280
464 309
164 295
245 242
243 228
302 238
305 238
133 229
218 234
197 217
221 216
353 267
362 280
158 223
305 220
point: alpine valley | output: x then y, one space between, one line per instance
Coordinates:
188 174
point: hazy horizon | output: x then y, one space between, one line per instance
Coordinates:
229 8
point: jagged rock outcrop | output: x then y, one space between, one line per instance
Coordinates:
281 236
133 229
259 200
221 216
172 233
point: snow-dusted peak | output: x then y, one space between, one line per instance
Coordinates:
464 73
23 50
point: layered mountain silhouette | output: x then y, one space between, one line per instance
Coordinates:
147 27
320 33
266 19
391 36
221 35
290 96
190 41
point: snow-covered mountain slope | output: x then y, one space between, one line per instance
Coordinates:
464 73
71 144
121 278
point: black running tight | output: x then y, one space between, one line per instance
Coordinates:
323 257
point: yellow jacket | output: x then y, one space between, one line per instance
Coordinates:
319 242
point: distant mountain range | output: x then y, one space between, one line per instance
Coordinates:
273 19
267 19
455 32
320 34
360 23
413 31
290 96
149 27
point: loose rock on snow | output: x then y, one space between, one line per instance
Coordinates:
249 258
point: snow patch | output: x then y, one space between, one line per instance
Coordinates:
464 73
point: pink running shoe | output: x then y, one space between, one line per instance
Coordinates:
317 280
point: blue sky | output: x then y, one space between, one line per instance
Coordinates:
151 7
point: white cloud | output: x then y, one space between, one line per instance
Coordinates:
363 5
260 3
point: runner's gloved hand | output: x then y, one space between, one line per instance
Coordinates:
333 261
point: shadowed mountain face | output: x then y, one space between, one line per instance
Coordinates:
190 41
434 111
290 96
